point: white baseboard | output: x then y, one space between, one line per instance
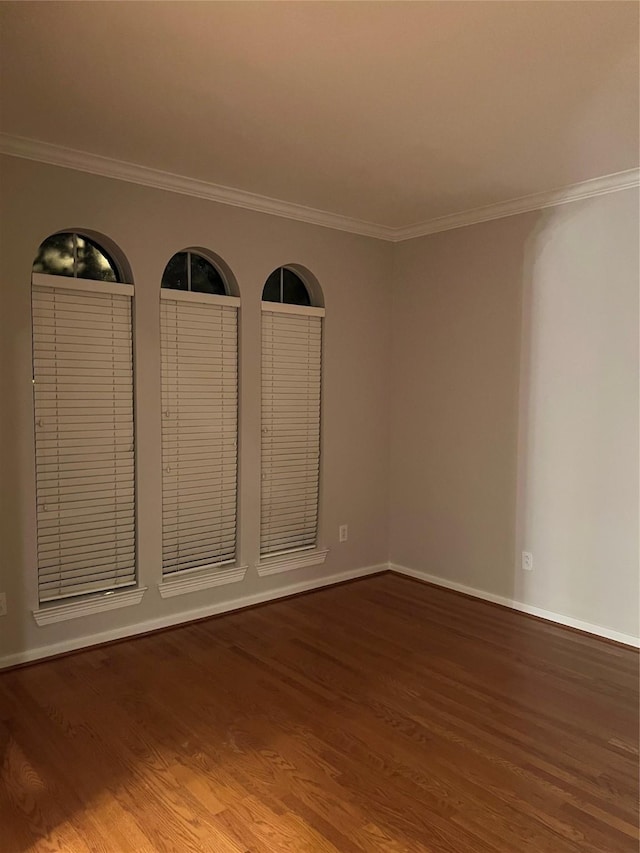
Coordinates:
185 616
549 615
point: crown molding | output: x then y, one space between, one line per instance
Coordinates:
95 164
538 201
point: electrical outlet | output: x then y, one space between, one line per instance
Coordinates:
3 603
527 561
343 533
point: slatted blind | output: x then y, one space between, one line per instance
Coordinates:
199 342
291 376
83 402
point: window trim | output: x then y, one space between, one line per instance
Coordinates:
86 285
289 308
202 577
194 296
289 561
93 602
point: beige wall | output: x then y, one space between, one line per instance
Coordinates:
515 408
491 406
149 226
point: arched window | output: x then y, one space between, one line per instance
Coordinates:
199 343
189 271
84 427
291 384
76 256
285 286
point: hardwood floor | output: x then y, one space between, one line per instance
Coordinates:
380 715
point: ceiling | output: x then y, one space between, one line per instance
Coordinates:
388 112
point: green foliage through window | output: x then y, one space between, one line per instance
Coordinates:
75 256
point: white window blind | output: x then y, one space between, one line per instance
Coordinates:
84 428
291 378
199 341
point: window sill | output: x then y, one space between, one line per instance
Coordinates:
204 580
88 606
290 562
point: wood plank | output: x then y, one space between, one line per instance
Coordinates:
379 715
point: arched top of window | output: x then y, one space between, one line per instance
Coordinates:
284 285
75 255
191 271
